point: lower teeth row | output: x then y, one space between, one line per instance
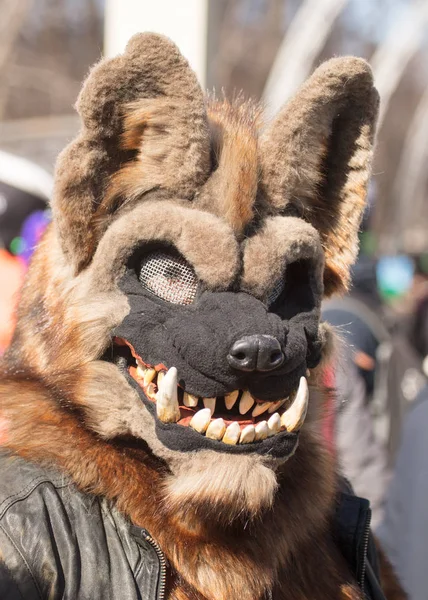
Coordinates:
232 434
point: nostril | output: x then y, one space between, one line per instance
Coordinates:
243 354
275 357
270 355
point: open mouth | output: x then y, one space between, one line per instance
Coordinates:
234 419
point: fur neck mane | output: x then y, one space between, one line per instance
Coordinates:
287 552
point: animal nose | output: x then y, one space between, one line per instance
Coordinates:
256 353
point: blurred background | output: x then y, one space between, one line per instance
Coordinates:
266 49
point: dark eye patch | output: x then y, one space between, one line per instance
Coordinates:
295 292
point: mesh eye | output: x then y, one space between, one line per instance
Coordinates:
168 277
276 292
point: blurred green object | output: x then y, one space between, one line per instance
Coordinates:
394 276
368 243
423 263
16 246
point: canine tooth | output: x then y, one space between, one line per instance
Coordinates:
248 435
274 407
210 403
201 420
260 408
161 375
245 403
274 424
149 375
294 417
262 430
140 371
216 429
190 400
230 399
167 398
233 431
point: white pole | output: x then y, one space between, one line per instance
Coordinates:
304 39
394 54
410 182
184 21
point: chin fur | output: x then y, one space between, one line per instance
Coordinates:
225 486
221 486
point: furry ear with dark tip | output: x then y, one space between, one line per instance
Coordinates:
143 117
316 159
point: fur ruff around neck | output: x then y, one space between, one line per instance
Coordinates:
287 551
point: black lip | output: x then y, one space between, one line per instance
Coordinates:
269 388
275 388
185 439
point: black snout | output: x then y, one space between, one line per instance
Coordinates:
256 353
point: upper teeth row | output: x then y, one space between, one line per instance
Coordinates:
245 404
168 411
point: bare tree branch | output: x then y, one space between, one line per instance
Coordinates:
13 15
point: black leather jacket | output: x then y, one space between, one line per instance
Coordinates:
58 543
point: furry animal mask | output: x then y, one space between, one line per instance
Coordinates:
176 297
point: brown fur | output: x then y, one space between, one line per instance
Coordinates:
46 409
151 69
328 128
153 162
231 190
326 131
281 241
210 558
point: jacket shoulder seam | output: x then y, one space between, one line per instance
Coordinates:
26 491
27 566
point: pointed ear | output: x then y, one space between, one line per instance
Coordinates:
316 159
143 109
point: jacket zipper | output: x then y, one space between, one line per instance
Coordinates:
162 562
365 550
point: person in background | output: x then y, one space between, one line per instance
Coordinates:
361 455
404 529
25 189
418 329
378 373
